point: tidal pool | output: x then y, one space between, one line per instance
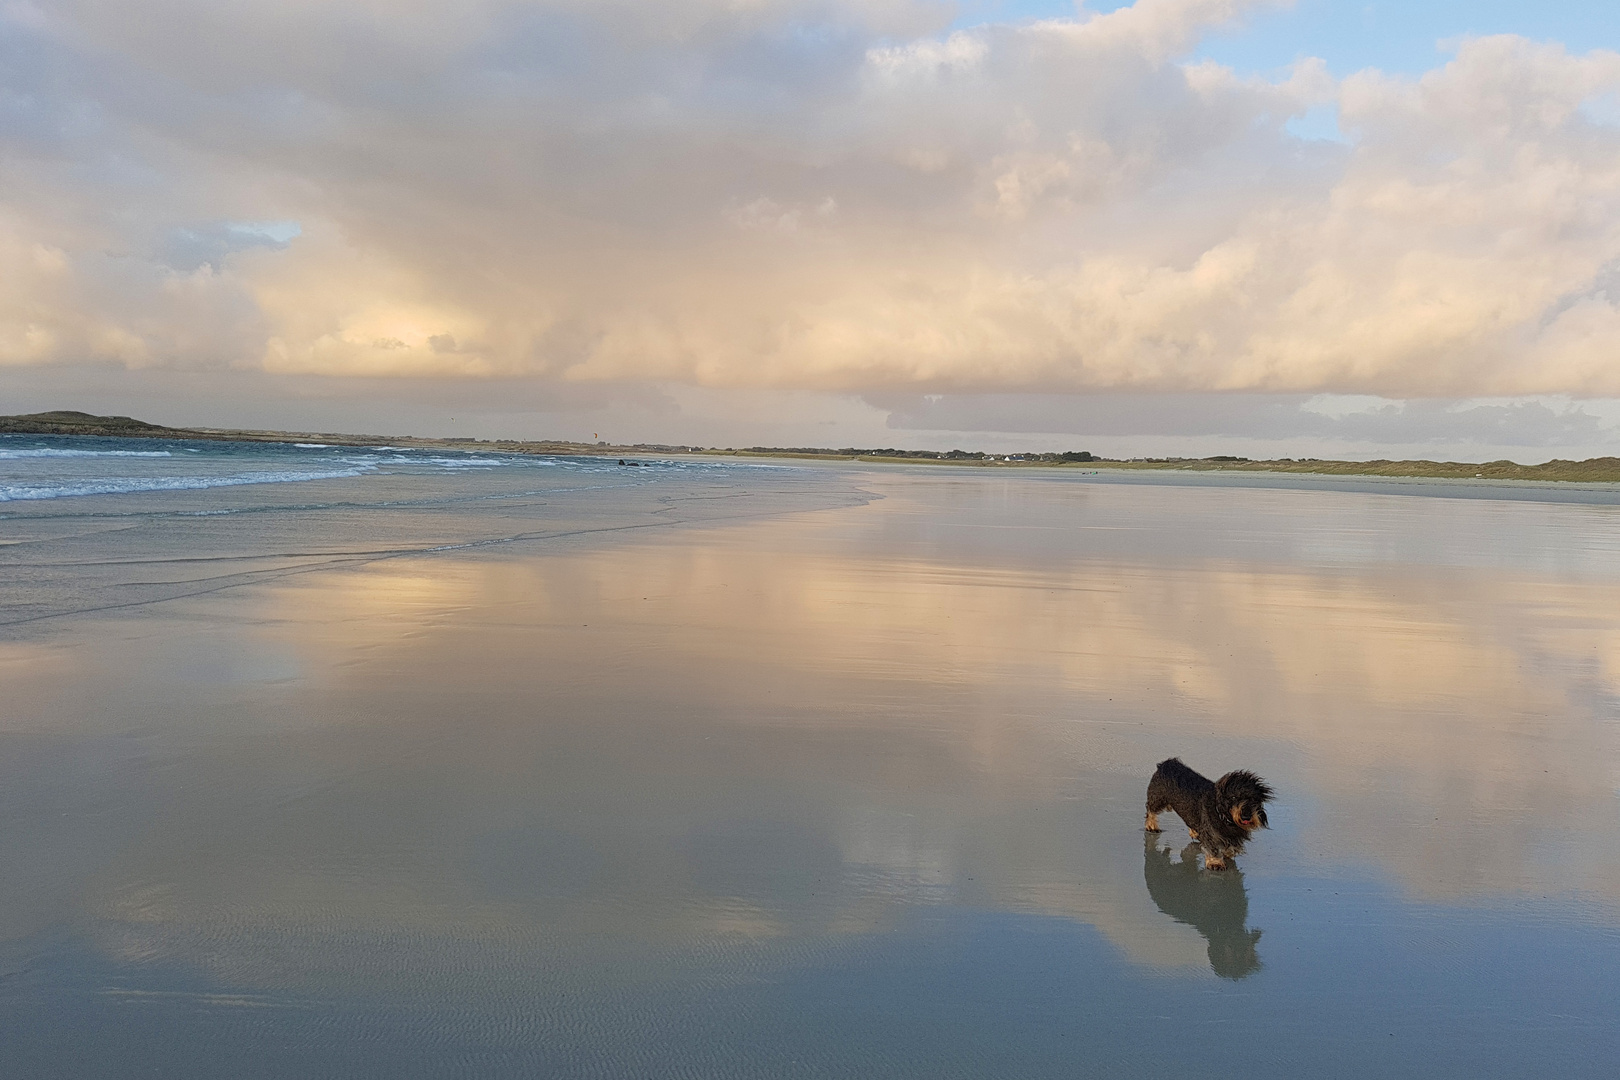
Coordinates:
843 780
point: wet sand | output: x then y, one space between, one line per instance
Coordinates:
822 772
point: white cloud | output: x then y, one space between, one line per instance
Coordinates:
817 196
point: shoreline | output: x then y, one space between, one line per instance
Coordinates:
1603 470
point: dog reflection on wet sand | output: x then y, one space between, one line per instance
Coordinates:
1216 905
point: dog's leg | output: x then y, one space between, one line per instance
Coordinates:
1216 853
1157 801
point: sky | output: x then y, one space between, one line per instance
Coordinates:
1176 227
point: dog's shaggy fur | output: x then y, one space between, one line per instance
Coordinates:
1220 814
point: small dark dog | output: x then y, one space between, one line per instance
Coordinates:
1220 814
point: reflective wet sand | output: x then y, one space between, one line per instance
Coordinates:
851 791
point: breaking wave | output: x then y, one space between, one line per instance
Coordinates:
125 485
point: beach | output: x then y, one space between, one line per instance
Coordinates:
338 761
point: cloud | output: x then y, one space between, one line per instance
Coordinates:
1367 420
806 195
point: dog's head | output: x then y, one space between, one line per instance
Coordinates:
1243 796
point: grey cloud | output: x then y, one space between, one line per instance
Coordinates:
187 248
1104 414
1524 423
1603 288
530 408
1259 416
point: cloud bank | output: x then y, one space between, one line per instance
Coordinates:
1501 423
795 195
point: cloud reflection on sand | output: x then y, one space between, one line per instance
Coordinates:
785 732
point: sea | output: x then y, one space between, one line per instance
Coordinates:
338 761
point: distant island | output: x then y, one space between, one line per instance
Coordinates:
1593 470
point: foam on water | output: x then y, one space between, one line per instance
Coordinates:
457 463
126 485
62 467
60 452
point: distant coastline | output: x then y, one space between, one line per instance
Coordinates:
1592 470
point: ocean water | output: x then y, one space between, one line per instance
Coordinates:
92 524
556 768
